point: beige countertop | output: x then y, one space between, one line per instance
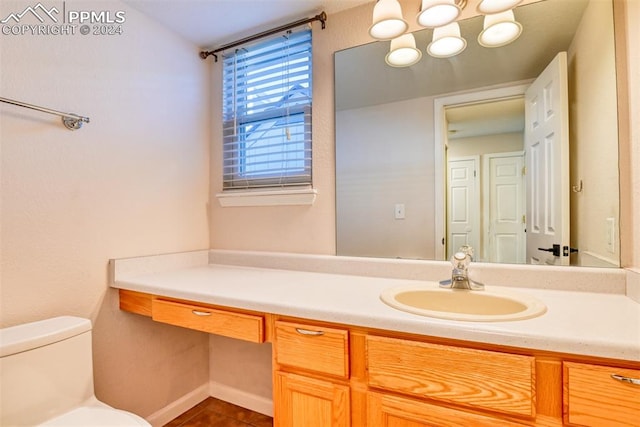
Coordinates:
578 322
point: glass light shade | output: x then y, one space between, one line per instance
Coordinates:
446 41
499 29
403 52
436 13
387 20
488 7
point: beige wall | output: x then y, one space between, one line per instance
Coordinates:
241 365
379 167
486 144
630 145
594 135
132 182
297 229
300 229
634 116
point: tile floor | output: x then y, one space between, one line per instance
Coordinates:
217 413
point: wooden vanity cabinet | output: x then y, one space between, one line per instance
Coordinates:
328 375
311 371
323 378
600 395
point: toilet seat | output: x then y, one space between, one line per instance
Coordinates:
96 416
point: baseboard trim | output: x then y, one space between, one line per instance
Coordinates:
250 401
177 407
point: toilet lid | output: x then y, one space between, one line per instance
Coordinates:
93 416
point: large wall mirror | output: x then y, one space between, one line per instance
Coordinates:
433 156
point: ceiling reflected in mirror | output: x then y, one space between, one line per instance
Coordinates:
549 27
487 118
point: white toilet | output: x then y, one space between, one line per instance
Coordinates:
46 377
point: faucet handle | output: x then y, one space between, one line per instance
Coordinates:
460 260
467 249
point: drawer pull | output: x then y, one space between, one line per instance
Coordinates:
309 332
633 381
201 313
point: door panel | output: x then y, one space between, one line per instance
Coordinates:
463 205
547 153
506 241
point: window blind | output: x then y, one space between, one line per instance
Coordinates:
267 102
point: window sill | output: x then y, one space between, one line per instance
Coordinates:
267 198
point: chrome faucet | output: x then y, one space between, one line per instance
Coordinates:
460 273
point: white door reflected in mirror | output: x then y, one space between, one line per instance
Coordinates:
547 151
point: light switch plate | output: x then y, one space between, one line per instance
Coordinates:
611 235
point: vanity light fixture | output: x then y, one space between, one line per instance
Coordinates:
446 41
437 13
403 52
487 7
387 20
499 29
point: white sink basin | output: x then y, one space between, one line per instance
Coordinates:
490 305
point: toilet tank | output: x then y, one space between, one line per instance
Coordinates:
46 368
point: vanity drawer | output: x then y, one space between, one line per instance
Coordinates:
477 378
246 327
593 398
313 348
385 410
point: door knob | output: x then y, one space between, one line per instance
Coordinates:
566 250
555 250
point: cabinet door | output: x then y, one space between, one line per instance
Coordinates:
599 395
393 411
308 402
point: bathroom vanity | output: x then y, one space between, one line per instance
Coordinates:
341 357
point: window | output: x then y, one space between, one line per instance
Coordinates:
267 113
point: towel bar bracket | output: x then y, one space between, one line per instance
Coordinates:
72 123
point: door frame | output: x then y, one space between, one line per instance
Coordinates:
515 89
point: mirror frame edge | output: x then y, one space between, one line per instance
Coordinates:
624 131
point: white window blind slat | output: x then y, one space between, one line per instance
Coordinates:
296 54
267 103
